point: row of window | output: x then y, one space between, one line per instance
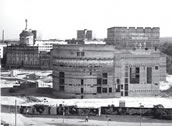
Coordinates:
104 90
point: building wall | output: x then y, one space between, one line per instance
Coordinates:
144 60
81 72
22 56
84 34
133 37
101 71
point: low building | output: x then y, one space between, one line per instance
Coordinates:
47 45
90 71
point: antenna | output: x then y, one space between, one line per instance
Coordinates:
26 24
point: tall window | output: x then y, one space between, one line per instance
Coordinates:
82 82
149 75
99 81
99 89
134 75
105 75
61 74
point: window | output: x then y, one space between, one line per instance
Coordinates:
104 90
121 93
118 81
126 80
61 74
104 81
126 93
82 90
149 75
99 89
105 75
82 82
126 86
99 81
61 81
78 53
156 67
61 88
82 54
110 90
134 75
121 86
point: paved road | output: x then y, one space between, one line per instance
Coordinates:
39 121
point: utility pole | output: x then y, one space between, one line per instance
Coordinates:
15 112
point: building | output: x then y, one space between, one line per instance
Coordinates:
27 37
102 71
84 34
133 37
47 45
22 57
2 46
45 60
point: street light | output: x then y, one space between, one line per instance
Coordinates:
15 112
63 111
141 106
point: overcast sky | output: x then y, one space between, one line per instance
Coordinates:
61 18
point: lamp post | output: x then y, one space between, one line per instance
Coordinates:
141 106
15 112
63 111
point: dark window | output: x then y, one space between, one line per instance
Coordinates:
118 81
126 93
99 89
110 90
99 81
82 90
61 81
61 88
126 80
156 67
104 81
78 53
121 86
126 86
105 75
149 75
90 73
134 75
121 93
82 54
82 82
61 74
104 90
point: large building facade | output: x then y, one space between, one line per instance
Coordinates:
22 57
89 71
133 37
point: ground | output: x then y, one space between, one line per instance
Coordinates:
32 96
80 121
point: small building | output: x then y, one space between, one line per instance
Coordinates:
84 34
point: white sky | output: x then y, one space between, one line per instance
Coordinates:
61 18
